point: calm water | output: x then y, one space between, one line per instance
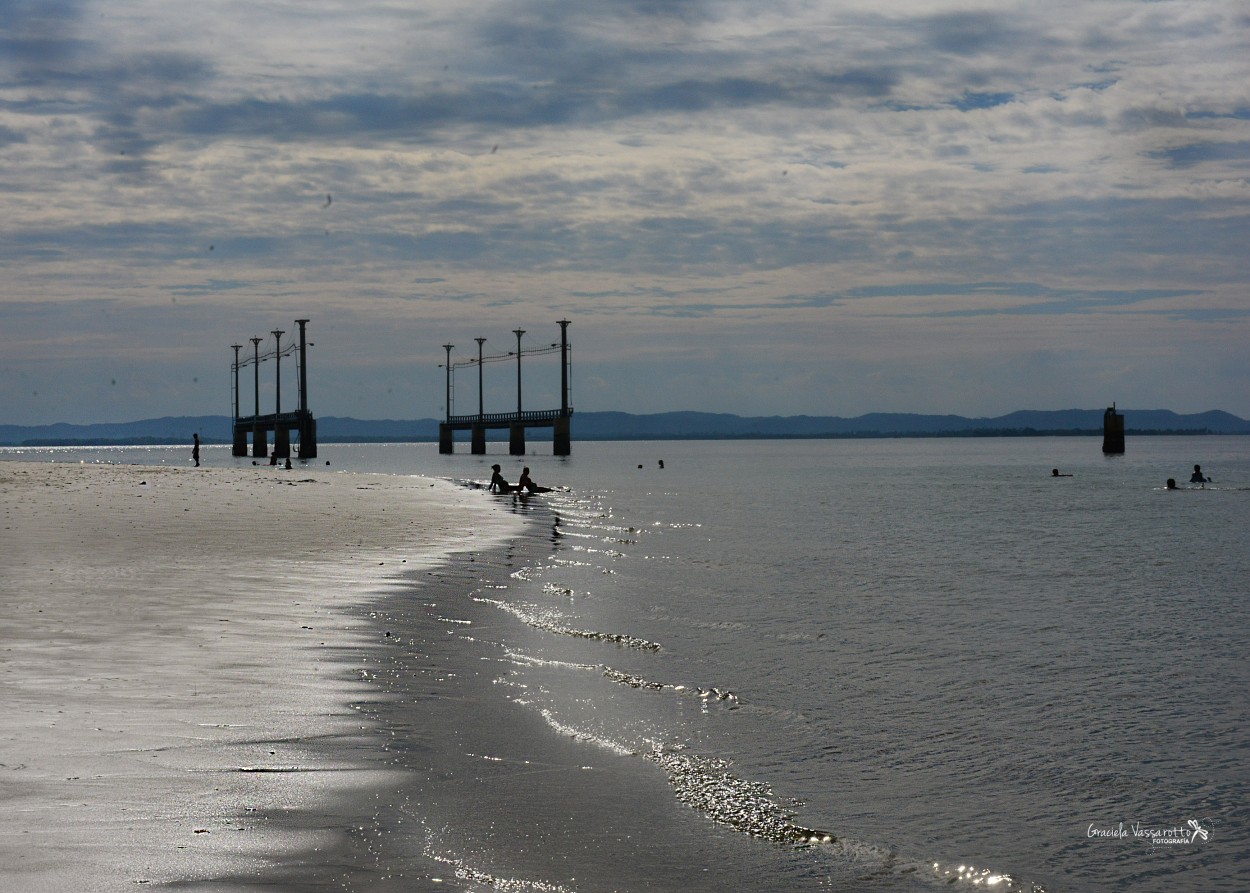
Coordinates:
849 665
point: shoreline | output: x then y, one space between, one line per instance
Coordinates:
150 615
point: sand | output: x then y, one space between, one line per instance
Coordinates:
179 660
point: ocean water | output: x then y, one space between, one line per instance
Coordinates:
893 665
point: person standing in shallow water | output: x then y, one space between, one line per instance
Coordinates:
1198 477
195 449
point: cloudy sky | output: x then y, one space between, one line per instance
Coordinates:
755 206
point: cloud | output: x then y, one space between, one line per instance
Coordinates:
910 184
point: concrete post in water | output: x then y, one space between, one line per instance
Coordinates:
561 441
516 439
1112 432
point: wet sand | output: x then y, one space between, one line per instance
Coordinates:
181 665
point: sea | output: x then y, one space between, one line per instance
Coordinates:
886 665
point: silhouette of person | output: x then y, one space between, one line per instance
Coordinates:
526 483
661 463
1054 472
497 482
195 449
1171 483
1197 477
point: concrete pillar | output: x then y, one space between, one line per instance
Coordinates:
446 439
516 440
1112 432
281 442
479 440
308 438
561 441
260 442
240 441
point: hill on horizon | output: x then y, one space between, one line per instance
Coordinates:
655 426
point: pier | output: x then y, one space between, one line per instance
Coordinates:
280 423
516 423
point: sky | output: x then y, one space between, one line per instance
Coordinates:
764 207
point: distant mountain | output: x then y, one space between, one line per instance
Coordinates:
175 429
657 426
212 429
678 425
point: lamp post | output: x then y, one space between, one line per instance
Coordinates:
480 404
564 367
256 372
448 347
236 380
518 333
303 368
277 357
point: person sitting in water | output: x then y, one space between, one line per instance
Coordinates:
1197 477
1171 483
527 484
497 482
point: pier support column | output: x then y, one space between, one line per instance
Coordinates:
240 441
561 441
479 440
260 443
281 442
516 440
308 438
446 439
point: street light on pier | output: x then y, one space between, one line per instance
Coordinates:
480 404
277 356
256 373
237 348
448 347
518 333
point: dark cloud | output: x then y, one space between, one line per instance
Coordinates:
970 33
1205 153
39 34
970 101
424 116
9 136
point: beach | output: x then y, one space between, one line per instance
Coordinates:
181 653
941 663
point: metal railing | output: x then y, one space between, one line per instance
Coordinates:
498 418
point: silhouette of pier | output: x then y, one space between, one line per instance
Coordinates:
515 422
281 423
